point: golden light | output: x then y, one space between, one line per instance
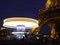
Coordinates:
48 3
15 21
18 32
2 28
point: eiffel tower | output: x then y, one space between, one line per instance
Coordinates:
50 15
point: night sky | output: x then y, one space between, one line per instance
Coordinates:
25 8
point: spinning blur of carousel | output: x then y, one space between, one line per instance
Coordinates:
22 28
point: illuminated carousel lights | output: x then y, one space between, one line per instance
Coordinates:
15 21
21 24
